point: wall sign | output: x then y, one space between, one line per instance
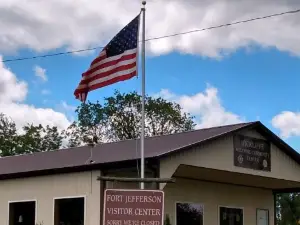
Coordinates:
252 153
133 207
231 216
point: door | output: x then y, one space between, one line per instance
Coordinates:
262 217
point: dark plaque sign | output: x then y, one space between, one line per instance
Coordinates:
231 216
133 207
252 153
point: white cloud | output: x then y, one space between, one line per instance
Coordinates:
40 72
205 106
11 89
66 109
23 114
12 96
66 106
165 94
288 123
46 92
47 25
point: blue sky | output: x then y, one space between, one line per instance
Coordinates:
256 85
256 79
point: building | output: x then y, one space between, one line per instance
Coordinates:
222 173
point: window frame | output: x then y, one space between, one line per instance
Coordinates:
20 201
70 197
231 207
187 202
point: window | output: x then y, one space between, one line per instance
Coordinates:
69 211
189 213
231 216
22 213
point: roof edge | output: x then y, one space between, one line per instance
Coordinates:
260 127
278 141
246 125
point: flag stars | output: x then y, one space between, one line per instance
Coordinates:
126 39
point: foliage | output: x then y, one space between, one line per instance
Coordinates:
188 214
27 140
123 111
167 220
119 118
90 126
288 208
8 136
40 139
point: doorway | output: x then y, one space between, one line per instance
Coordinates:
22 213
69 211
262 217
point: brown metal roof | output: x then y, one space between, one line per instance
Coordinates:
117 151
109 152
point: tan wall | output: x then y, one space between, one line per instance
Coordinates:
211 195
219 155
45 189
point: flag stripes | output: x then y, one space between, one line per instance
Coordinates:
108 66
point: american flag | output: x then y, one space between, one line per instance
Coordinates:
116 62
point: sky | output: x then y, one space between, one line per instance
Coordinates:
240 73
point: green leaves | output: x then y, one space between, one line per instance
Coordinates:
30 139
123 113
119 118
8 136
163 117
288 208
40 139
90 126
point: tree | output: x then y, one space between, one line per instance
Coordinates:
29 139
8 136
288 208
119 118
90 126
39 139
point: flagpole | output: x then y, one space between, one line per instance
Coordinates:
143 97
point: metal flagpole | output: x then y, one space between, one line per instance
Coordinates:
143 97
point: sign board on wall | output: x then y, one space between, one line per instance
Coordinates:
133 207
252 153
